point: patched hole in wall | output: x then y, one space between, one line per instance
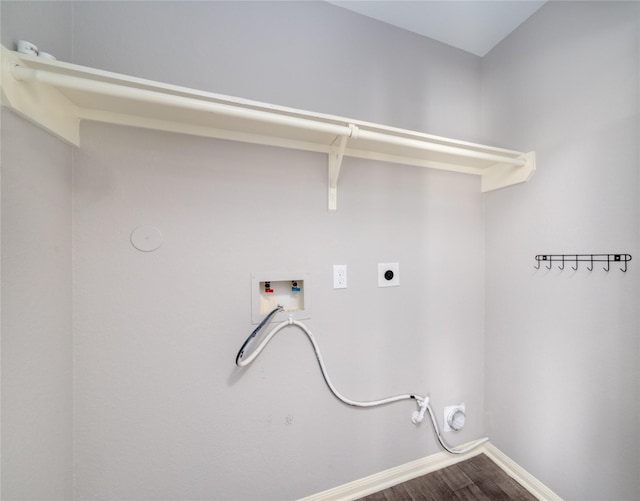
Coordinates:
146 238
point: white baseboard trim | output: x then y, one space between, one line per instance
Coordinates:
394 476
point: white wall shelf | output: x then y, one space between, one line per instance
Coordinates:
58 96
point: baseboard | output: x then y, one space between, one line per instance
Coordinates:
394 476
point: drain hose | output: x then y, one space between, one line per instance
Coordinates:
423 402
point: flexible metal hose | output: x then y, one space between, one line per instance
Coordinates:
423 402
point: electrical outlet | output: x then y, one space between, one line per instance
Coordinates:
339 276
388 274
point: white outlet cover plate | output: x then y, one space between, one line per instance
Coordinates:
339 276
384 268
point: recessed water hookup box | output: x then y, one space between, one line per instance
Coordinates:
287 289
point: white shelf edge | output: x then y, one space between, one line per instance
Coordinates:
57 96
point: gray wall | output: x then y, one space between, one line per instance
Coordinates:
36 282
562 380
160 409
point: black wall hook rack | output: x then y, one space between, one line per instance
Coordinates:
549 259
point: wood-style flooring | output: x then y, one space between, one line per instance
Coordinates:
477 478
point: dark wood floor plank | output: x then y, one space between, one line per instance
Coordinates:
471 493
515 491
378 496
487 476
454 477
476 479
492 490
481 463
402 492
434 488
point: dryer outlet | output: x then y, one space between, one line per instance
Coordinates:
388 274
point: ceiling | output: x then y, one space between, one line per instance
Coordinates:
473 26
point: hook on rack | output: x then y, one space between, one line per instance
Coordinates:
576 266
591 269
541 258
625 265
562 267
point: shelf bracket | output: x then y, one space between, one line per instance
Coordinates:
336 154
40 104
